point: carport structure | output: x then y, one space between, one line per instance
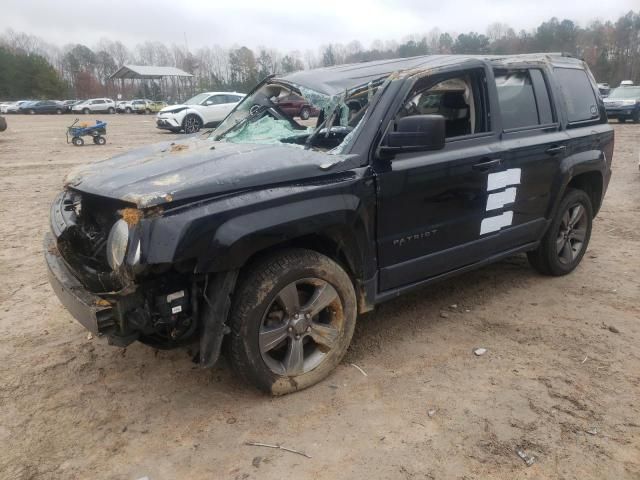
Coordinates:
173 84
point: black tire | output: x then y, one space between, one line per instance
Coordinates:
86 111
191 124
59 111
112 110
99 140
566 241
261 290
77 141
621 119
32 112
147 111
636 116
305 113
127 110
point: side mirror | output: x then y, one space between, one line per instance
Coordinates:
416 133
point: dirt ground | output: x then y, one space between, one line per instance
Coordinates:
560 379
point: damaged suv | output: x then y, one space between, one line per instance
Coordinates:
269 236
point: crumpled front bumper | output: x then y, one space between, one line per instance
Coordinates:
93 312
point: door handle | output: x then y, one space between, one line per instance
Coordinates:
487 165
556 149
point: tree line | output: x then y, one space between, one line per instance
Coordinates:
33 68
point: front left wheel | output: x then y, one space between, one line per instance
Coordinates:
292 320
191 124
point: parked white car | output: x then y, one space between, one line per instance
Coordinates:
14 107
123 106
204 110
4 106
95 105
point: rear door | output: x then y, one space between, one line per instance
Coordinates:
215 110
533 146
97 105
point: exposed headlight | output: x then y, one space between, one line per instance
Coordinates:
117 244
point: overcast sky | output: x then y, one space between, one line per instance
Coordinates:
283 24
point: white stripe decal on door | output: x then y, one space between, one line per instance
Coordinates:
493 224
498 180
500 199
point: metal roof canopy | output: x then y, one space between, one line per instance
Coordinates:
145 72
337 79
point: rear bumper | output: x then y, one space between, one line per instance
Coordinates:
93 312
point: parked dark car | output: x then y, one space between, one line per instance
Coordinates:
296 106
273 236
43 106
623 103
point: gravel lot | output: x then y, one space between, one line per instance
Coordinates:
560 379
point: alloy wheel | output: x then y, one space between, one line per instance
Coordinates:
191 124
301 326
571 234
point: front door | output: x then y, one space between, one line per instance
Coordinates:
432 206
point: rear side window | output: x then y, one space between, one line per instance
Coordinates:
545 113
578 93
517 100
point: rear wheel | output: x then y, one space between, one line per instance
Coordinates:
127 110
59 111
636 116
292 319
112 110
86 111
305 113
567 238
77 141
191 124
32 112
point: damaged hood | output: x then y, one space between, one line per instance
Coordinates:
198 167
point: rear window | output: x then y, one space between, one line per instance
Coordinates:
578 93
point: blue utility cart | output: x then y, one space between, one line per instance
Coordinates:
97 131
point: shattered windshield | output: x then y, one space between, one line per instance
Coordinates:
282 113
